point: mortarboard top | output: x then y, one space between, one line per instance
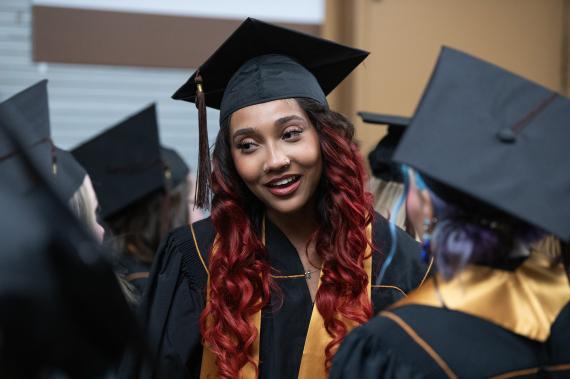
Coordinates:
176 169
496 137
32 106
380 158
124 162
270 78
28 112
261 62
60 299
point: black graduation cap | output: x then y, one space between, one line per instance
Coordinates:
380 158
124 162
62 307
28 112
261 62
176 169
496 137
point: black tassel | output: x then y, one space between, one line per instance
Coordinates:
203 179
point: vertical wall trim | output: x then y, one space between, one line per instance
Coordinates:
565 46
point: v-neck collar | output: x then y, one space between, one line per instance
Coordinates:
283 256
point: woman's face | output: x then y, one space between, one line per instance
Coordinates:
276 152
99 231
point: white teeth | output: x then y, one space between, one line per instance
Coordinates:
284 181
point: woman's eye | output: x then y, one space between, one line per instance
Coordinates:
292 134
246 146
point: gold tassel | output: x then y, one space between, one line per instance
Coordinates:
203 178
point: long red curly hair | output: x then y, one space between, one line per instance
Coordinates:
240 278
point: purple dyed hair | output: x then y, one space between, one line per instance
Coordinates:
462 236
467 231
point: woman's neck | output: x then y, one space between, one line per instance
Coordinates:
297 226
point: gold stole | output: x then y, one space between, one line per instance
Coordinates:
525 301
313 359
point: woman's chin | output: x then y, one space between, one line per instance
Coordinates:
286 207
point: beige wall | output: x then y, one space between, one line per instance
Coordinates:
528 37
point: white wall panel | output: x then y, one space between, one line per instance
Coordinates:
298 11
85 99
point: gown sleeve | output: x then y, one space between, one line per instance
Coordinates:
170 312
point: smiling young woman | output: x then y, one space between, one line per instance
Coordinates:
270 284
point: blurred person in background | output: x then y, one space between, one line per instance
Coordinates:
62 311
387 182
59 165
142 188
490 181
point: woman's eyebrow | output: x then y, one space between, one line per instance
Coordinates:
243 131
286 119
278 122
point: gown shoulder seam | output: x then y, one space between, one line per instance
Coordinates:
426 275
421 342
390 287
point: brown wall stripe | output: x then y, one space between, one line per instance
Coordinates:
66 35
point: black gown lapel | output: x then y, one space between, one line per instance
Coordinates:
285 322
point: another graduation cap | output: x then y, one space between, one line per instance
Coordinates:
124 162
258 63
28 112
496 137
380 158
176 169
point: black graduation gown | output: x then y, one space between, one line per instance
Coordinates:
176 293
423 341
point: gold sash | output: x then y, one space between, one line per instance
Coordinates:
313 359
525 301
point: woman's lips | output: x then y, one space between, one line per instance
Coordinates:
284 189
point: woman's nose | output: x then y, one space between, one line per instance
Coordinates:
276 161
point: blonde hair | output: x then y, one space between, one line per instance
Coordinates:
82 206
386 194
